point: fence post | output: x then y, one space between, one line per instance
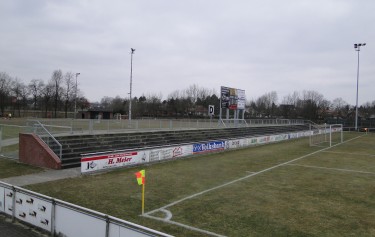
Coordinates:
53 217
1 137
14 204
107 226
90 126
330 135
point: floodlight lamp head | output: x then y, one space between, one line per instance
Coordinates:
355 46
132 50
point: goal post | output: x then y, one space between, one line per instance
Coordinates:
326 135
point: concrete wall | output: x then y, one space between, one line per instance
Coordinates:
34 151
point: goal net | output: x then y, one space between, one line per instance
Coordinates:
326 135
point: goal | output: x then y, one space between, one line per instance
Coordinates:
326 135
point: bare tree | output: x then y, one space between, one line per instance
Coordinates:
266 104
192 93
47 94
313 104
83 103
5 88
153 102
118 105
35 89
69 91
19 95
340 107
56 80
106 102
291 99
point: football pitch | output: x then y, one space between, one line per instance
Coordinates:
281 189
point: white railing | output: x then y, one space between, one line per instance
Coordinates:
44 134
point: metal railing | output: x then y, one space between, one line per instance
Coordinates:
93 126
61 218
43 133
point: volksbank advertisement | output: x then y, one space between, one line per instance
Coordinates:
208 147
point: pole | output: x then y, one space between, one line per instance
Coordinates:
131 82
75 97
143 198
356 101
357 47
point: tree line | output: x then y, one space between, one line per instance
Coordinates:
57 94
60 94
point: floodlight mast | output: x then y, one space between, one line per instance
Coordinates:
357 48
131 81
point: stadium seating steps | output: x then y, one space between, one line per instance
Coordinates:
74 146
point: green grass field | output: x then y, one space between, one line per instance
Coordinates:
282 189
11 168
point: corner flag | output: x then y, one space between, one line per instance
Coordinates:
141 177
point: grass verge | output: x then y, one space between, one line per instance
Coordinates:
11 168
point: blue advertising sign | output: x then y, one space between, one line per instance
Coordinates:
208 146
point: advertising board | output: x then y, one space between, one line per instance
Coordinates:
70 222
33 210
170 152
236 143
232 98
98 162
208 147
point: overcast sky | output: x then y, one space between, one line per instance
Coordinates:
258 46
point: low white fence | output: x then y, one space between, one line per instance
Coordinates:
64 219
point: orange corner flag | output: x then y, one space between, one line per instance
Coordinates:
141 177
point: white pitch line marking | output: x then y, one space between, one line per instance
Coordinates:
337 169
348 153
183 225
168 214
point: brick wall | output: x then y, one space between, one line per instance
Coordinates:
33 151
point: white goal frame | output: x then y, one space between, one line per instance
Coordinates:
320 134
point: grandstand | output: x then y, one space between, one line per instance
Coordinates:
74 146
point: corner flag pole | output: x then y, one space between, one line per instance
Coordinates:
143 198
141 179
